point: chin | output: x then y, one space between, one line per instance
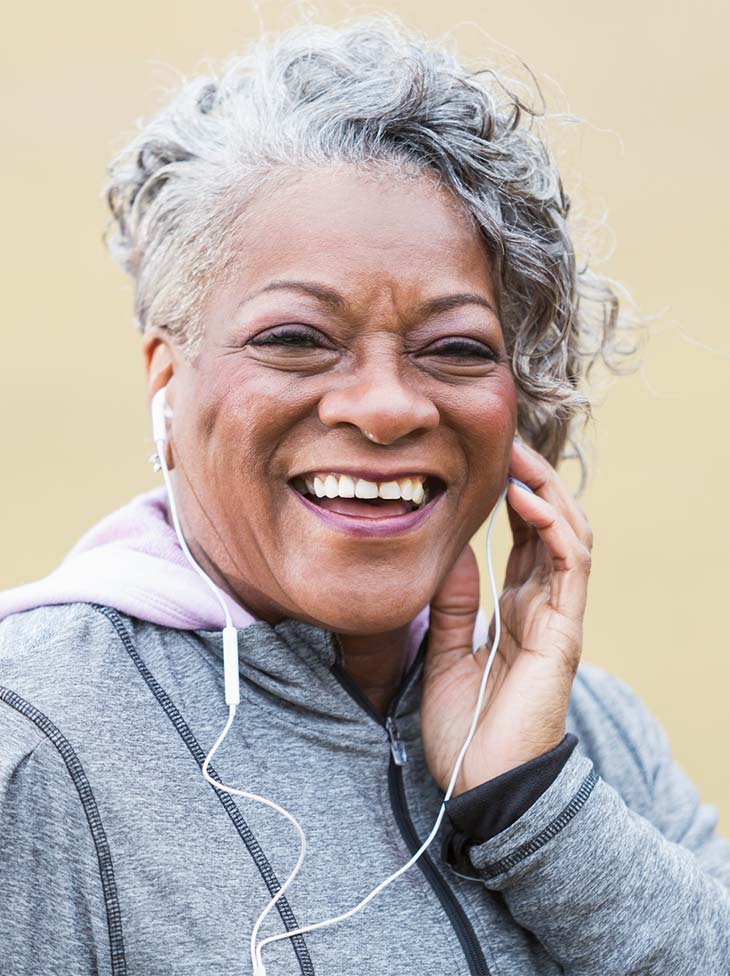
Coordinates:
373 611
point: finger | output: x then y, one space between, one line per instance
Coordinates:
538 474
522 531
453 610
569 557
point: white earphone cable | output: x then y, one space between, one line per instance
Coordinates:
160 444
229 647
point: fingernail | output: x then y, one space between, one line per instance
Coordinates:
521 484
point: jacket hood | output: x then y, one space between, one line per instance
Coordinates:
132 561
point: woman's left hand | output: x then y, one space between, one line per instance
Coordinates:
542 606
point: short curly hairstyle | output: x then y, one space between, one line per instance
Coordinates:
368 92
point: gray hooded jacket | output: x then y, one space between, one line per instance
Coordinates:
117 857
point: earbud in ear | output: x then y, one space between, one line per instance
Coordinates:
520 484
160 413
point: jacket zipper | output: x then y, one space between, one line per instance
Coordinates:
398 757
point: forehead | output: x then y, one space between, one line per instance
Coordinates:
372 236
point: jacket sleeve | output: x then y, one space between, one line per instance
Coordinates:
52 910
607 890
486 810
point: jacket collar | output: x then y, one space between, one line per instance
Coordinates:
295 670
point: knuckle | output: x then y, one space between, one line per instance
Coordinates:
586 560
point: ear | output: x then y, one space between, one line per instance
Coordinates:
160 357
159 361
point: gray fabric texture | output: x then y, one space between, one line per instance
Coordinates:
117 857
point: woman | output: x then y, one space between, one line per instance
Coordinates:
355 283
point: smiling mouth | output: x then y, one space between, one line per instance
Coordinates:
345 495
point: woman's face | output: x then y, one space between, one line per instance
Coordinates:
357 337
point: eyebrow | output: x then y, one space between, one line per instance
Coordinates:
334 300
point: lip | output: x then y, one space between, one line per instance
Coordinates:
371 527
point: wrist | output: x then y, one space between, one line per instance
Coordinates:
474 774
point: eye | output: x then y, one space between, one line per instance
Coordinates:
295 337
464 348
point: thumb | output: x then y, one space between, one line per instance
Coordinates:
454 609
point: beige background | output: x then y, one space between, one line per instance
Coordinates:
651 157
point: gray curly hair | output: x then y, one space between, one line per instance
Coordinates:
374 93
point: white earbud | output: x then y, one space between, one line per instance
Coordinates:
161 413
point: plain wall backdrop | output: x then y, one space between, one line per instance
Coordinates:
651 158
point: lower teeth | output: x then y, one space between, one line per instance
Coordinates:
375 501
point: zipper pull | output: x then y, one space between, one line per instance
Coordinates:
396 746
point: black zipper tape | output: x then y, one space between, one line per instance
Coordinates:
451 905
457 916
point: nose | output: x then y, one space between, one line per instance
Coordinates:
381 406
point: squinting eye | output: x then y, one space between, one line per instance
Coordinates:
292 337
302 337
464 347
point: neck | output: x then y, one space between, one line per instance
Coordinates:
375 663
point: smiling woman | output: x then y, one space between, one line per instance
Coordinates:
355 283
365 331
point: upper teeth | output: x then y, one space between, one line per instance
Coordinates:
331 485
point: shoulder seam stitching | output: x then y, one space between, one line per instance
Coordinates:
88 802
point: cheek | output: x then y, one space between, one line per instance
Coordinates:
242 421
485 421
